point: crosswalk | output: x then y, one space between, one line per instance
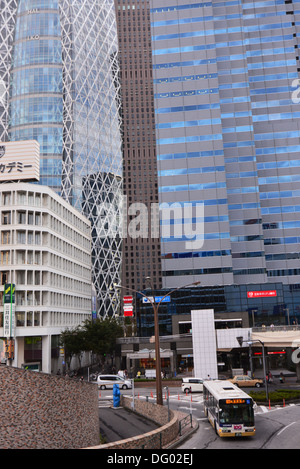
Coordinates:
107 400
262 409
185 401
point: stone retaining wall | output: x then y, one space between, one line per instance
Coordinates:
159 438
42 411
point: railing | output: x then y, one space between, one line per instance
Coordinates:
294 327
186 421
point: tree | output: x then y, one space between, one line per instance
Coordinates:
98 336
101 335
73 342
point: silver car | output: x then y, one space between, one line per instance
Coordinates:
108 381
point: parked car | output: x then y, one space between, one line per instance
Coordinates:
108 381
246 381
192 385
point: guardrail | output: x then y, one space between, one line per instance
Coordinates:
273 328
185 422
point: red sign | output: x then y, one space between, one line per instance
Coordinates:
128 310
261 294
127 299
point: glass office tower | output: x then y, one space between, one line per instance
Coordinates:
60 81
227 131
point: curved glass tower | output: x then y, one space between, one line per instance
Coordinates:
62 79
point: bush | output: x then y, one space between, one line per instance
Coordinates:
276 396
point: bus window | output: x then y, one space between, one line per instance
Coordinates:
231 414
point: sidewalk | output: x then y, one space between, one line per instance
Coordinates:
186 431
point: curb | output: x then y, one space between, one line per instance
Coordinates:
174 444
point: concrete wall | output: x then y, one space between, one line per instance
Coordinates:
42 411
156 439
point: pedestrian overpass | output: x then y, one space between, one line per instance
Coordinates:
277 336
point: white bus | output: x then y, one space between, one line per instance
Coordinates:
228 408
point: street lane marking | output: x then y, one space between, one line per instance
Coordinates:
285 428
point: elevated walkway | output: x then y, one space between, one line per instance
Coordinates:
277 336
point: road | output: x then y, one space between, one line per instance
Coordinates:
278 427
120 424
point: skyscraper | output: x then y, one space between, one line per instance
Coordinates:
228 139
141 255
59 85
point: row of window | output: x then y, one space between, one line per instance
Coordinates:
40 24
191 20
212 271
193 187
189 139
219 45
182 171
37 109
37 80
194 154
188 255
25 6
283 272
38 51
178 94
196 237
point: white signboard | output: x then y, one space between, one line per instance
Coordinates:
9 320
20 161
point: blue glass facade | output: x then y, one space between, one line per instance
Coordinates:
62 89
282 309
36 105
224 76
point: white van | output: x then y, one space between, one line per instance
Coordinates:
192 385
108 381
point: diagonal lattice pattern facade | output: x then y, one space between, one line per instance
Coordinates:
60 58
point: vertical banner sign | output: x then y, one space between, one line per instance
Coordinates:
9 310
128 308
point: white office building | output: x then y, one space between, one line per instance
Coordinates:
45 252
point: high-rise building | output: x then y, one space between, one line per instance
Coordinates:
45 256
141 253
228 139
59 86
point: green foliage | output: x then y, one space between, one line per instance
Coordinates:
97 336
276 396
71 340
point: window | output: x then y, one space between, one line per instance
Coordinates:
21 237
21 217
5 237
5 257
6 218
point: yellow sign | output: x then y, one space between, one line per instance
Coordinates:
235 401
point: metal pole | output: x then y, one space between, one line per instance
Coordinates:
159 399
250 358
168 402
132 403
265 371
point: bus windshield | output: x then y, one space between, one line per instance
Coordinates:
236 413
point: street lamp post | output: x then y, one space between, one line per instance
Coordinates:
155 306
250 342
